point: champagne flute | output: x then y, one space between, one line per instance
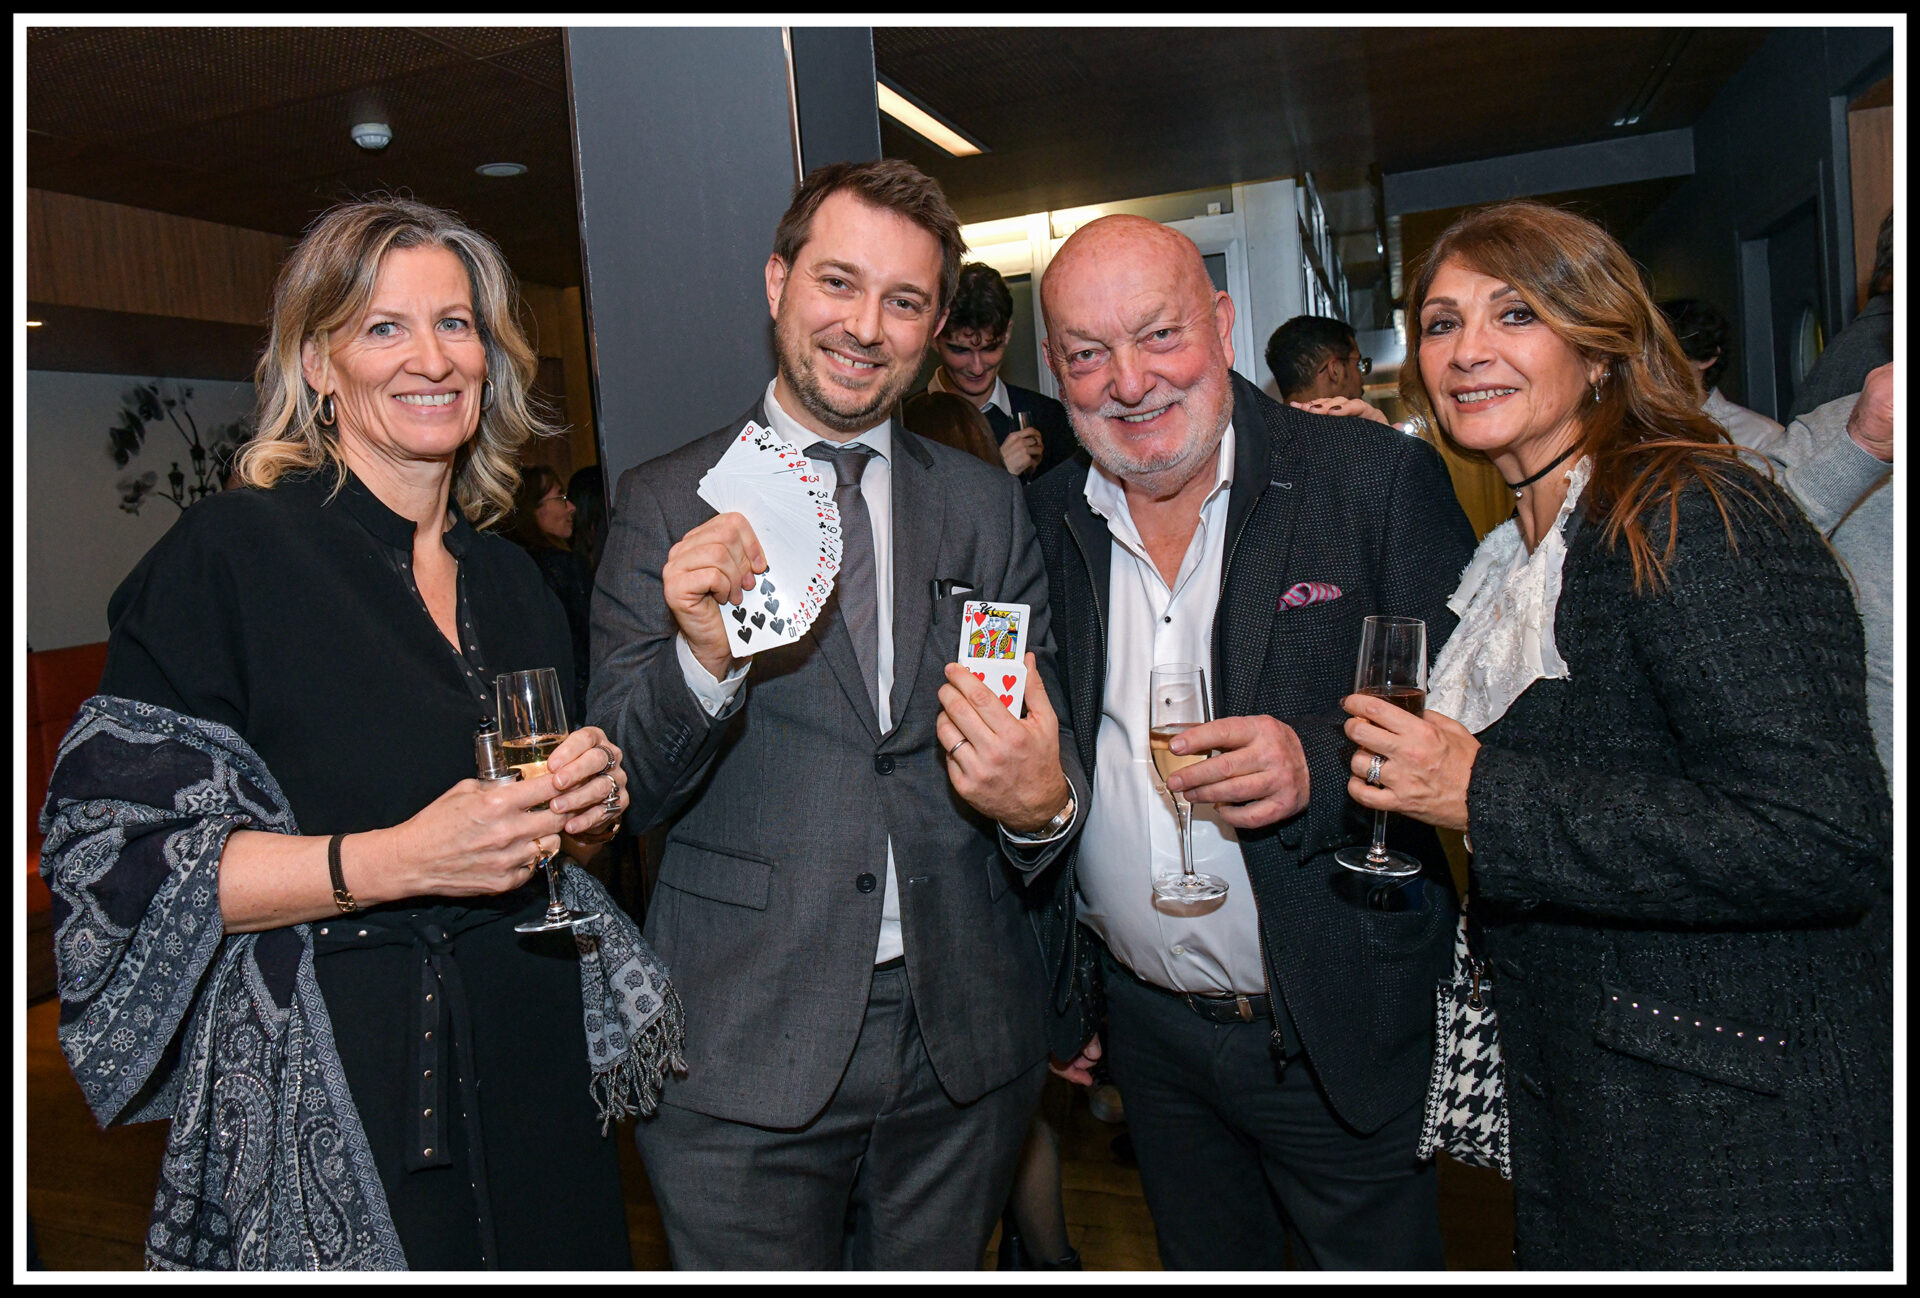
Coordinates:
1392 666
533 722
1177 702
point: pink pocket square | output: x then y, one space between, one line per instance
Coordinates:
1309 592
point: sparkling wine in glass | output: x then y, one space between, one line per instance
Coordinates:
1178 701
1392 666
533 721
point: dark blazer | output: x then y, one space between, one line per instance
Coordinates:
1372 511
1683 869
1058 444
770 890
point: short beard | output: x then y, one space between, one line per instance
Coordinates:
1157 477
796 367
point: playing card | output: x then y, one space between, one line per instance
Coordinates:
782 496
992 632
1008 681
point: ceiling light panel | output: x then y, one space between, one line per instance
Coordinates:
923 123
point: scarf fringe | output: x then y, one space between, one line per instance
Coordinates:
631 1085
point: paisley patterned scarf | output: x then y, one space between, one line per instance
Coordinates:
165 1015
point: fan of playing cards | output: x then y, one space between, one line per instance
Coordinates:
765 478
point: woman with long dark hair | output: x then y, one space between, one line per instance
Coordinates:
1651 724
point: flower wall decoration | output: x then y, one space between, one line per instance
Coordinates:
210 454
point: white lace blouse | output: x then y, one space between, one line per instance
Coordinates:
1506 602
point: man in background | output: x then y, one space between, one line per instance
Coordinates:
1313 357
1030 427
1862 346
1703 332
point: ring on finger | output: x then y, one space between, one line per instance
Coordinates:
1373 770
612 802
612 761
956 748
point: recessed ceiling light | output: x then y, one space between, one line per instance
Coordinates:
501 168
33 324
923 123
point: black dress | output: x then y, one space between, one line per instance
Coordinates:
1682 859
566 575
294 619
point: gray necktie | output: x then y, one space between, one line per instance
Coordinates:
855 585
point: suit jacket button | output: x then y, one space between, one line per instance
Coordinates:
883 764
866 882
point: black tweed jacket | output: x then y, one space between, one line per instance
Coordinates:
1371 511
1682 857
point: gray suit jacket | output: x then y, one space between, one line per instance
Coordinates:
768 905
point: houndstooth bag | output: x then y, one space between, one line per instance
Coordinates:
1467 1095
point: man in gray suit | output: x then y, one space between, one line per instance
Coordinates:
852 815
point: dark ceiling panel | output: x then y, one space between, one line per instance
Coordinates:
1086 115
486 42
248 126
118 81
544 64
275 151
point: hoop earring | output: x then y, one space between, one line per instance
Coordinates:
323 414
486 394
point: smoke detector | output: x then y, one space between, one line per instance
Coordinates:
373 136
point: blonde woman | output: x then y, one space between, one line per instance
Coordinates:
286 907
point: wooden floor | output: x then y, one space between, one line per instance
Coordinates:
89 1191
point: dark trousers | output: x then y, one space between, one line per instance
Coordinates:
1240 1153
922 1179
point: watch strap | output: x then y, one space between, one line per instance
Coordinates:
341 897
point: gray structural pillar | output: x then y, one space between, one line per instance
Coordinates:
687 145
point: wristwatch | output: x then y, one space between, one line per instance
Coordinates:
1060 821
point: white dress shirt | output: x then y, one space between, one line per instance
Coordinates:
997 397
876 488
1132 834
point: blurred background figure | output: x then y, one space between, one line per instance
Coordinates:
1702 332
1314 357
1836 461
1864 345
1029 427
542 524
587 490
952 421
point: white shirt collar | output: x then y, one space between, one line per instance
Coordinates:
1107 495
879 437
997 397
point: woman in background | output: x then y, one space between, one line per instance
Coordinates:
952 421
542 524
1651 724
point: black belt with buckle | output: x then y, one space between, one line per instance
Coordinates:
1227 1009
1214 1008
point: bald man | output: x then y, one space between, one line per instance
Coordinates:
1272 1048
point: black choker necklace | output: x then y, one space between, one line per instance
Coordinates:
1517 487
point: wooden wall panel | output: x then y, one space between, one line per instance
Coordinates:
1870 158
110 257
556 325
